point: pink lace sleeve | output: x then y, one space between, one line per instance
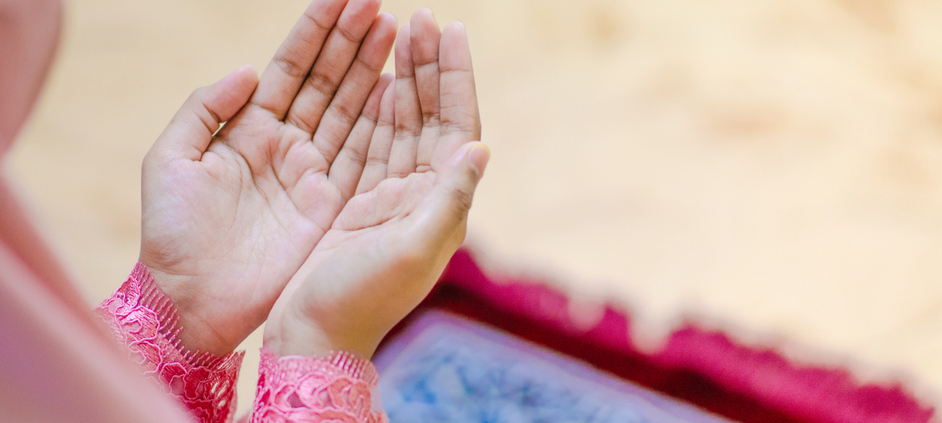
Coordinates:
143 318
337 388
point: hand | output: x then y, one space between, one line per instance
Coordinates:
230 215
392 240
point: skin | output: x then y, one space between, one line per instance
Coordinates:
227 219
392 240
326 174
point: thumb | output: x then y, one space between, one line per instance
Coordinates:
191 129
454 192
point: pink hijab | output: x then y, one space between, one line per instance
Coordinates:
57 363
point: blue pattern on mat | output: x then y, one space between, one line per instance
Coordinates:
453 372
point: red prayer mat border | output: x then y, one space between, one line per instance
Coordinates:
706 368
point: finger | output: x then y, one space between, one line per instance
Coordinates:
332 64
425 38
191 129
380 145
360 80
443 218
461 121
285 73
408 111
346 170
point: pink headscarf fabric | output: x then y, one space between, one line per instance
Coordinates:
57 363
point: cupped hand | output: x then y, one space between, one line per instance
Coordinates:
231 213
391 241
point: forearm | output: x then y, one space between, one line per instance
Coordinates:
143 319
290 389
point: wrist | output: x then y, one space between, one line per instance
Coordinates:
146 322
195 332
305 338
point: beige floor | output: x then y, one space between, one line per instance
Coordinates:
773 167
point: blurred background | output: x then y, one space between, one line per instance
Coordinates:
770 168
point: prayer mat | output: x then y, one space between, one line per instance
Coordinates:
480 351
444 368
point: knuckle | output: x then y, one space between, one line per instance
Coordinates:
347 35
377 69
431 118
322 83
376 161
312 18
289 67
357 157
345 113
462 198
408 130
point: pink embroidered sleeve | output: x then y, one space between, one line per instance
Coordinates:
337 388
143 318
290 389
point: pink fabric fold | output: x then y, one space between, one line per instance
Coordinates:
56 362
57 367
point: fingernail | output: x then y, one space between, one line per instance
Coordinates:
478 156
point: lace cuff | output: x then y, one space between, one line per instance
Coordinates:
144 319
337 388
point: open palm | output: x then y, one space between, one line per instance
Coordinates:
391 241
229 215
